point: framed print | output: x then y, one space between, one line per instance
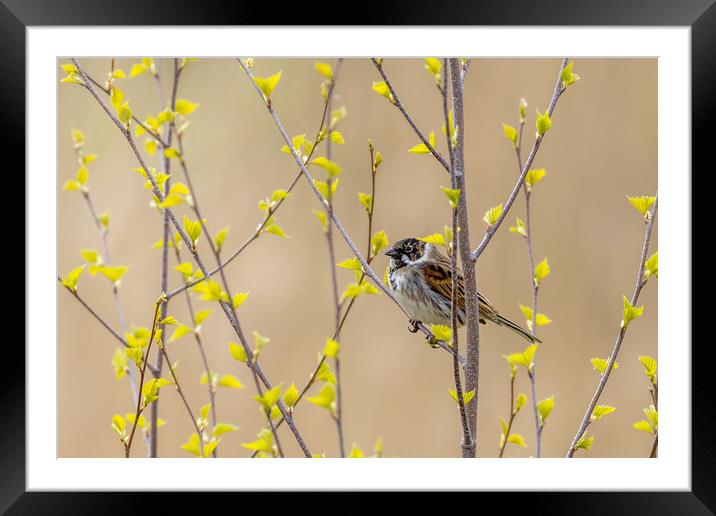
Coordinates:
432 240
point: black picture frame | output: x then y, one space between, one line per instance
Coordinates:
700 15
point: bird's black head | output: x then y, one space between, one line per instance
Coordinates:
410 248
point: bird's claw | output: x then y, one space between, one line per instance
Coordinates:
433 341
413 328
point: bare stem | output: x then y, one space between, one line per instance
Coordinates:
640 282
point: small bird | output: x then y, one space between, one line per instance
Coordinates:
420 277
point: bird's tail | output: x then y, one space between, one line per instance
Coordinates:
502 321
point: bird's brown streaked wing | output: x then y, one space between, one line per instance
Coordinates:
437 276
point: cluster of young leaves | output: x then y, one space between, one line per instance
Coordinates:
585 442
541 319
357 453
119 425
326 396
206 444
651 424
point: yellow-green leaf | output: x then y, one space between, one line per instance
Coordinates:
331 348
324 69
517 439
510 133
268 84
453 196
185 107
568 76
600 364
544 408
544 123
542 270
238 352
290 397
631 312
422 148
379 241
642 204
600 411
492 215
381 88
230 381
329 166
534 176
651 267
649 364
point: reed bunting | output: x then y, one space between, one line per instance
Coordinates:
420 277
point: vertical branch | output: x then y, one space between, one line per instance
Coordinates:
467 445
472 367
332 257
165 167
640 282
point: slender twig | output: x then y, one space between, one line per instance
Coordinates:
532 371
640 282
513 413
226 307
108 90
334 218
558 90
467 446
472 317
145 361
654 447
200 346
379 66
334 278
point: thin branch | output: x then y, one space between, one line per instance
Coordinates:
227 309
145 361
558 90
513 413
532 372
472 317
334 278
200 345
408 118
640 282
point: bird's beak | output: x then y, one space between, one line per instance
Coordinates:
392 253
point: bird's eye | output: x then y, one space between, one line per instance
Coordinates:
409 249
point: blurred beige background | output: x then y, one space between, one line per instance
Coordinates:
602 146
